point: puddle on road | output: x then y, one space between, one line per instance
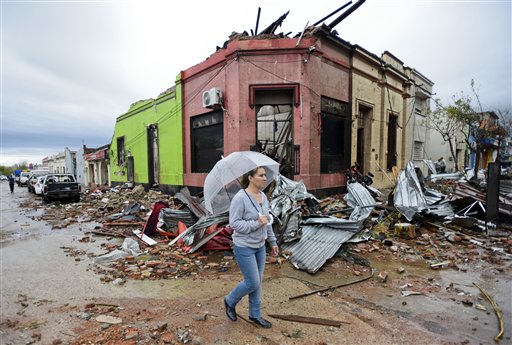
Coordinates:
439 310
334 272
20 224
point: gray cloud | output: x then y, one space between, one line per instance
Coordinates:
69 69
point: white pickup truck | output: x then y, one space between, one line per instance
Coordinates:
23 178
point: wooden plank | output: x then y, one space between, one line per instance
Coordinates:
181 235
148 240
123 224
307 319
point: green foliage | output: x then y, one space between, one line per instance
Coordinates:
6 170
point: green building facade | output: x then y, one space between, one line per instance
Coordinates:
147 145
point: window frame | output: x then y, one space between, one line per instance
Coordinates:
335 109
213 117
121 151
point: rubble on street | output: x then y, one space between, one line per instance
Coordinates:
353 218
434 225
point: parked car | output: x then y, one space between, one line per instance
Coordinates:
23 178
3 178
38 187
60 187
32 179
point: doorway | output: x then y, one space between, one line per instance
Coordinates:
92 173
153 161
364 135
130 170
392 137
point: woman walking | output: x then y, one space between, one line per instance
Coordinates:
250 219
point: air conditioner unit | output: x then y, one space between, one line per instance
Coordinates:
212 98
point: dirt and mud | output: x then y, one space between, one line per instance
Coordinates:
52 292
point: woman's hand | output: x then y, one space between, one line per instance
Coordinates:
274 251
262 220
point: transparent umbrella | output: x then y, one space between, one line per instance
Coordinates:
223 181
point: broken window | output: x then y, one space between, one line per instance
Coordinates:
274 127
120 151
207 140
335 136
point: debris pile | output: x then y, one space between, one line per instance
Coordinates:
441 220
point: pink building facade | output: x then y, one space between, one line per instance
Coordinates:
289 97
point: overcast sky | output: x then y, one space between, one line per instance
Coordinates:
69 68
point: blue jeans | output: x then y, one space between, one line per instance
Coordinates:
252 264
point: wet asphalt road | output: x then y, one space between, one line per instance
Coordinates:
36 271
40 282
37 275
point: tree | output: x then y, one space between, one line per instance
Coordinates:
21 165
446 125
466 116
505 121
4 170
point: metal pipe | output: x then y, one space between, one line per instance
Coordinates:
257 22
333 13
346 14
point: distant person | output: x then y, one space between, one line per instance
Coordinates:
11 183
440 165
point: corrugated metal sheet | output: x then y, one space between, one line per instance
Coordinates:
170 217
358 195
443 209
318 244
433 196
197 231
446 176
409 198
192 202
286 209
430 166
505 187
333 222
322 236
359 198
466 190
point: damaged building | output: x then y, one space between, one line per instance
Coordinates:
313 102
146 147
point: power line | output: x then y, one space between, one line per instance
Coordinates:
173 111
280 77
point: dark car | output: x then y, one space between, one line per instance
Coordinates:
60 187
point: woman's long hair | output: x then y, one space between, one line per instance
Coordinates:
245 177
